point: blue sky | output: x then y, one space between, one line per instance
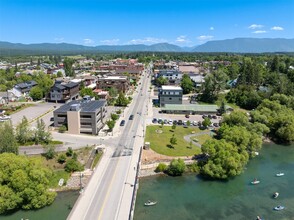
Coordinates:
184 22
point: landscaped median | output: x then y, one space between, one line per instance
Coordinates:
160 140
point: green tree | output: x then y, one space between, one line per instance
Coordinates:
121 100
161 81
73 165
174 126
114 117
222 108
24 183
44 82
36 93
110 125
23 132
224 159
187 84
41 135
87 91
59 74
176 167
173 140
67 64
7 141
113 92
206 122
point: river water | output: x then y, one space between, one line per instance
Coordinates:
190 197
59 210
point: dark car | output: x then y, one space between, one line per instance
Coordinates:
154 120
122 123
180 122
187 116
131 117
214 117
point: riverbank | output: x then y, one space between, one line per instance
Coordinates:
192 197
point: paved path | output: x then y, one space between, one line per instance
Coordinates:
109 194
188 137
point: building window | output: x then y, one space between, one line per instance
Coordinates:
177 93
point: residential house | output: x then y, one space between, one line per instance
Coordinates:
63 92
23 89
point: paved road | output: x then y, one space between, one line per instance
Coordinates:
106 195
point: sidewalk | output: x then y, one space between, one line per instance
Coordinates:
85 199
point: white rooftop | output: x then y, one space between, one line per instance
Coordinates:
171 88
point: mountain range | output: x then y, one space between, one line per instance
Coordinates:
237 45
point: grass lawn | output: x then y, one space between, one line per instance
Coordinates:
160 142
58 174
201 138
97 158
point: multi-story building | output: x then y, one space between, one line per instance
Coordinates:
63 92
121 83
173 76
170 95
81 116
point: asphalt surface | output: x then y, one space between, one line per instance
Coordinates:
107 194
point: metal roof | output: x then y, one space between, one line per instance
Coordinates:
86 106
191 107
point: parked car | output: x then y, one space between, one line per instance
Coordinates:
159 121
180 122
175 122
209 116
122 123
204 116
165 121
154 120
187 116
170 122
195 123
131 117
215 125
214 117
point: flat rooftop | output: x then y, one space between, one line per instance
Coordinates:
171 88
85 106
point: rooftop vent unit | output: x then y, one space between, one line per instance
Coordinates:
75 107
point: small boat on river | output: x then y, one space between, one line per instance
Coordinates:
255 181
150 203
280 174
279 208
275 195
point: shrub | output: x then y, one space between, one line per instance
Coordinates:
176 167
50 153
69 152
114 117
160 168
61 158
73 165
62 129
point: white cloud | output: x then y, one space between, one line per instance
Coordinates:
255 26
147 40
88 41
182 39
211 28
59 39
205 37
110 42
259 32
277 28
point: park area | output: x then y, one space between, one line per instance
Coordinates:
160 136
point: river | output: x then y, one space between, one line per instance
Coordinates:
59 210
191 197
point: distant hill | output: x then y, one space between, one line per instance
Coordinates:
248 45
238 45
7 48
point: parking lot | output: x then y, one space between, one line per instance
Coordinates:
181 119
